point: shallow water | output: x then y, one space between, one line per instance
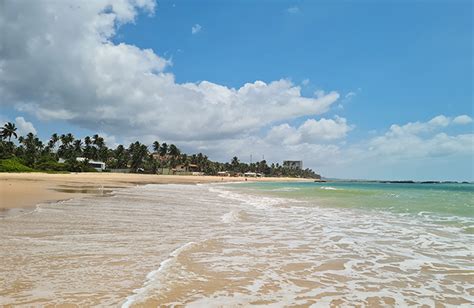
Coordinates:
224 245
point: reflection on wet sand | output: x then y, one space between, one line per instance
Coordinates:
85 189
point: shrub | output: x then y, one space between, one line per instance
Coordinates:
50 165
13 165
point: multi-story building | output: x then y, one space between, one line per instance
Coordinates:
293 164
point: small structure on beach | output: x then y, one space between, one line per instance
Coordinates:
223 173
253 174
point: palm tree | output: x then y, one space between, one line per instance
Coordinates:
235 163
121 157
98 141
88 152
66 148
77 147
138 154
9 130
156 146
52 142
174 151
99 151
33 147
163 149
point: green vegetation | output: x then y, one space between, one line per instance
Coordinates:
13 165
29 153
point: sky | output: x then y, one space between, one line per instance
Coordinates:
355 89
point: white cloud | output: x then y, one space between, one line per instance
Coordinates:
462 119
414 128
293 10
305 82
418 150
439 121
324 129
311 131
24 127
350 95
420 139
284 134
62 64
196 29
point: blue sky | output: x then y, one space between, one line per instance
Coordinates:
410 60
390 63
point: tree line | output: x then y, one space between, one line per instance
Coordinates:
137 157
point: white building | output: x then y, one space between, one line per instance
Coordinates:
97 165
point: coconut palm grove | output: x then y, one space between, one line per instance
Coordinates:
61 152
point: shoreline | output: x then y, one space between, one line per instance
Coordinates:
20 192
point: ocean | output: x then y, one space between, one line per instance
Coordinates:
268 244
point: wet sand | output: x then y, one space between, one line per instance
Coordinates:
22 191
224 245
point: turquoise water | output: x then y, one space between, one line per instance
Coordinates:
444 203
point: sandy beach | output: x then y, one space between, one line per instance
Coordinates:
25 190
210 245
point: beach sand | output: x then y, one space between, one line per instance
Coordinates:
218 245
20 191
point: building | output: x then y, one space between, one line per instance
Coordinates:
293 164
253 175
185 169
97 165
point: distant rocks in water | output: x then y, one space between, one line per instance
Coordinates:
423 182
398 182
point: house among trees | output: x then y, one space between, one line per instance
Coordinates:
97 165
185 169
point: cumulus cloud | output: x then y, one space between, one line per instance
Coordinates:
439 121
416 150
311 131
421 139
196 29
59 62
24 127
413 128
462 119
